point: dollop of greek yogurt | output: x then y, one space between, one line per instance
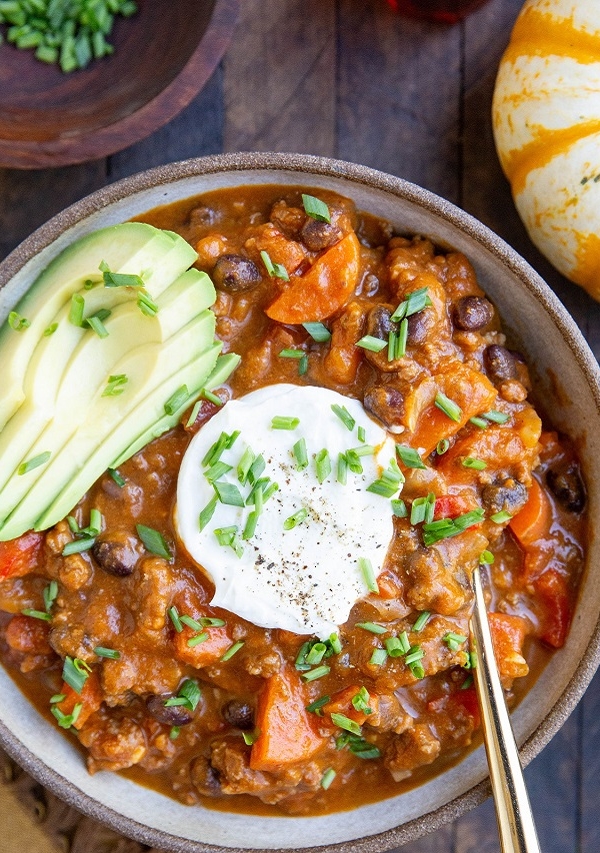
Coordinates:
305 557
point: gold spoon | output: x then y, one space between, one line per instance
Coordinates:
516 826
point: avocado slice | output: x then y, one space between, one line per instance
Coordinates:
58 363
110 421
223 369
131 247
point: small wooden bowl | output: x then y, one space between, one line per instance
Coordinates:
163 56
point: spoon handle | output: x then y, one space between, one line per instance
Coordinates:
516 826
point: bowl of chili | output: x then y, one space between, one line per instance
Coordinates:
335 277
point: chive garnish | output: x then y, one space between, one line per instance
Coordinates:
34 462
154 541
327 778
442 446
368 573
295 519
65 721
300 454
395 647
256 469
195 641
402 339
217 470
409 456
486 558
111 654
50 330
291 353
190 622
230 536
361 700
251 737
316 208
228 493
476 464
17 322
173 615
58 697
399 508
379 657
115 385
207 513
274 270
346 723
316 654
76 309
174 733
212 398
49 595
323 465
116 476
303 365
315 674
445 528
119 279
501 517
37 614
75 673
316 706
78 546
414 654
244 464
414 302
146 304
422 509
479 422
336 644
189 696
232 650
344 415
177 400
454 641
448 407
284 422
421 621
318 332
371 343
373 627
342 469
251 523
496 417
96 325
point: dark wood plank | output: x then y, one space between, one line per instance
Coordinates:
280 78
30 198
399 95
196 131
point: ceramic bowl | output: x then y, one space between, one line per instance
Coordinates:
567 376
161 62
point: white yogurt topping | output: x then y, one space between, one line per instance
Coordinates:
307 578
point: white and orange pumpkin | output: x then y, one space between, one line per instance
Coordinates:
546 119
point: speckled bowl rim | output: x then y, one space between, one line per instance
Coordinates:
141 122
305 165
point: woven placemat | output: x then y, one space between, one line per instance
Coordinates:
33 820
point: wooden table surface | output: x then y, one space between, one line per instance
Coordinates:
348 79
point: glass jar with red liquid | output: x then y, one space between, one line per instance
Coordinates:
443 11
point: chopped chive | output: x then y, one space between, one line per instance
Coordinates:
316 706
228 493
274 270
315 674
300 454
295 519
111 654
189 696
344 722
316 208
395 647
34 462
414 302
417 670
318 332
422 509
361 433
496 417
194 413
379 657
409 456
399 508
371 343
303 365
49 595
177 400
207 513
336 644
95 526
245 464
344 415
284 422
292 353
174 732
362 450
392 343
75 673
454 641
173 615
76 310
146 304
448 407
251 737
78 546
323 465
212 622
442 446
383 488
479 422
446 528
230 536
402 339
316 653
50 330
119 279
115 385
486 558
65 721
414 655
217 470
195 641
97 326
501 517
476 464
368 573
354 463
154 541
58 697
327 778
37 614
232 650
251 523
342 469
190 622
212 398
256 469
18 323
116 476
421 621
373 627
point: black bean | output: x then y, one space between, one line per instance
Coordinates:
118 554
386 403
499 363
506 496
418 327
172 715
205 777
379 323
472 313
566 484
235 273
317 235
238 714
201 217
